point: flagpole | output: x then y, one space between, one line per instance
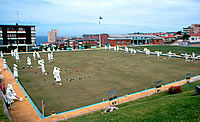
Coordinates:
99 32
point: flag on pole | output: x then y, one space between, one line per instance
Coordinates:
100 19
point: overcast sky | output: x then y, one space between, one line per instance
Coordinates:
76 17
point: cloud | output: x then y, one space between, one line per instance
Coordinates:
151 14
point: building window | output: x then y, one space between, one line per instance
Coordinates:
11 36
122 42
192 38
33 41
0 28
21 29
117 42
32 28
32 34
128 42
11 29
1 35
1 42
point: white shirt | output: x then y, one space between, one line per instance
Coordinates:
15 71
28 61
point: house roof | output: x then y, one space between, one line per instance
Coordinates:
131 35
148 34
164 37
196 34
168 36
121 38
46 43
171 36
60 39
86 39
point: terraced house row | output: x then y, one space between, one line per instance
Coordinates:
113 40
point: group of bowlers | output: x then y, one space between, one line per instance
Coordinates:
148 52
41 63
10 94
117 48
170 54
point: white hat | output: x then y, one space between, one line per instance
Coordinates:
10 87
15 65
4 60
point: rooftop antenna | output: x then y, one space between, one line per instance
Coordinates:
17 13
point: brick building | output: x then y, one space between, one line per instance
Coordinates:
113 40
133 39
79 43
103 38
169 38
195 28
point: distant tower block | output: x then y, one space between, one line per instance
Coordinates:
52 36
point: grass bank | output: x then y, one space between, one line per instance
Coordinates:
159 107
3 117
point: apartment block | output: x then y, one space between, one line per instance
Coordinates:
53 36
13 36
195 28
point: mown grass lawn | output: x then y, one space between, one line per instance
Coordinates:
174 49
94 74
158 108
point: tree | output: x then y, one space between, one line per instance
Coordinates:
185 37
87 46
179 32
